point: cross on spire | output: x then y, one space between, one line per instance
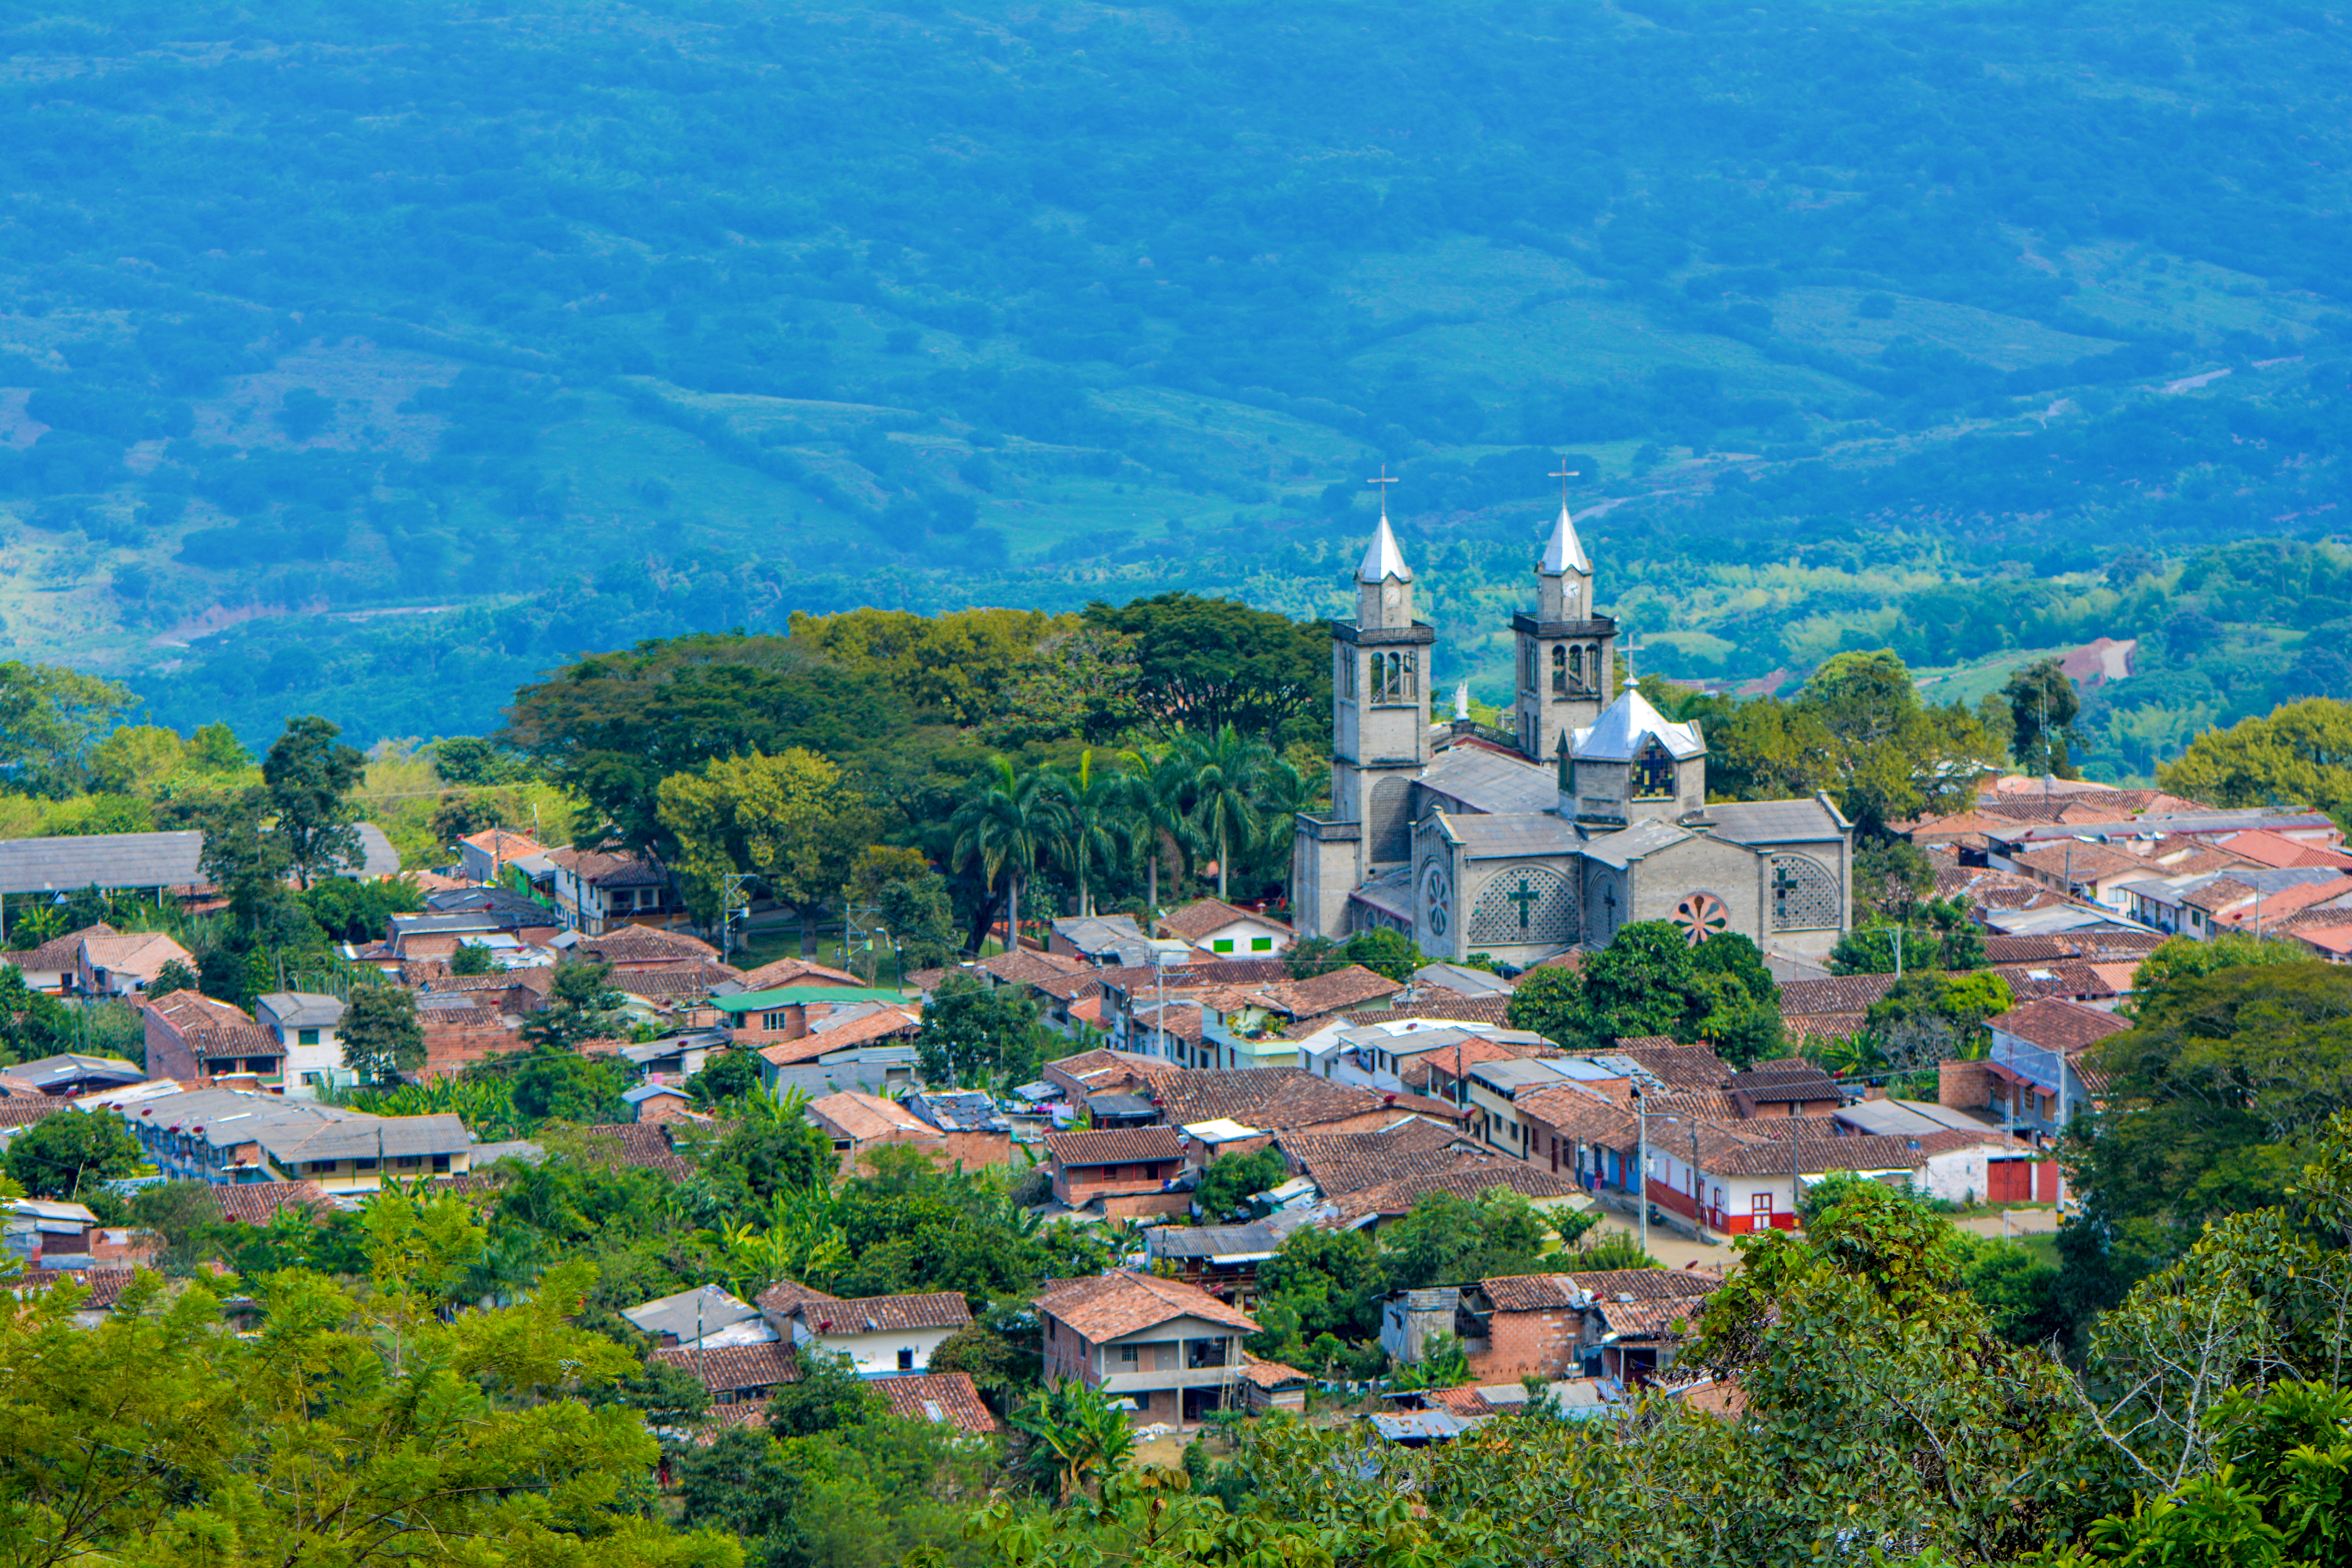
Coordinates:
1563 476
1385 479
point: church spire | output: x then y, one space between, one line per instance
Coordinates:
1566 552
1382 559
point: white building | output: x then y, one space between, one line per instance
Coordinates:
308 1024
883 1336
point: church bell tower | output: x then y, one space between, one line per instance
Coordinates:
1566 673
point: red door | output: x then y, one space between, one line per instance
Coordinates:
2008 1180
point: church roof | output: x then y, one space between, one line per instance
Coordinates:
1617 735
1491 781
1775 821
1566 552
1493 837
1624 848
1382 559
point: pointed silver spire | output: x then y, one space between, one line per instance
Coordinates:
1382 559
1566 552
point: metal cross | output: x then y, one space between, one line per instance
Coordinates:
1563 476
1526 898
1385 479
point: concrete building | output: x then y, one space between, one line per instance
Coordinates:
307 1026
1172 1349
882 1336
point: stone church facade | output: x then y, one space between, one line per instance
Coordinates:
1597 815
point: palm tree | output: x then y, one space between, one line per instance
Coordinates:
1007 824
1226 776
1158 804
1094 823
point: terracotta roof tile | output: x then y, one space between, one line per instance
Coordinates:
1271 1374
1201 917
781 1296
785 971
1398 1196
949 1397
2058 1025
1327 993
1024 967
734 1369
23 1111
885 1023
1493 1010
1125 1302
1350 1162
1268 1098
861 1117
606 868
1117 1146
259 1203
639 1145
1839 993
1678 1065
58 953
884 1314
1465 1401
1544 1293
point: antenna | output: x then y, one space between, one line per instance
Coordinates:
1385 479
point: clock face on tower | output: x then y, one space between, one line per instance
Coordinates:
1391 595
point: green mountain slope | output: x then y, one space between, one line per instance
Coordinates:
569 323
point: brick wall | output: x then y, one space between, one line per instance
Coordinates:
450 1047
664 1108
1143 1205
167 1052
1518 1344
1083 1185
1963 1086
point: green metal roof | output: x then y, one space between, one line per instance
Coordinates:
756 1001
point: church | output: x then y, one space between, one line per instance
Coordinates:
1594 813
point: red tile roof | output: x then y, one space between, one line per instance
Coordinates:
1117 1146
1268 1098
258 1203
788 972
1125 1302
1204 917
735 1369
1350 1162
639 1145
2055 1024
1395 1197
884 1314
949 1397
784 1295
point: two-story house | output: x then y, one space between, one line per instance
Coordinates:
190 1035
1172 1349
1226 931
597 889
307 1026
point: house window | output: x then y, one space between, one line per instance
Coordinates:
771 1021
363 1164
1261 944
1222 944
441 1162
1128 1355
306 1037
1654 774
906 1361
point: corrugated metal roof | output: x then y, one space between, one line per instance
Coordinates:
107 859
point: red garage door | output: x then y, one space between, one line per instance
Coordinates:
2008 1180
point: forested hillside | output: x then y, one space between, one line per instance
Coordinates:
1955 329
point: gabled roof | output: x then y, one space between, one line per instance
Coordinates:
1117 1146
731 1369
884 1314
1382 559
135 953
1618 735
784 1295
883 1023
1491 782
1271 1098
947 1397
1539 1292
785 972
864 1116
1204 917
1397 1196
1350 1162
2057 1023
58 953
1125 1302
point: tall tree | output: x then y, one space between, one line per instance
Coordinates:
788 819
1205 664
308 776
1224 774
2298 755
1156 794
56 1155
1006 825
2042 704
1096 826
381 1035
49 719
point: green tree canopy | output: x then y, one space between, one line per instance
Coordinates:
381 1035
66 1151
1203 665
308 777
